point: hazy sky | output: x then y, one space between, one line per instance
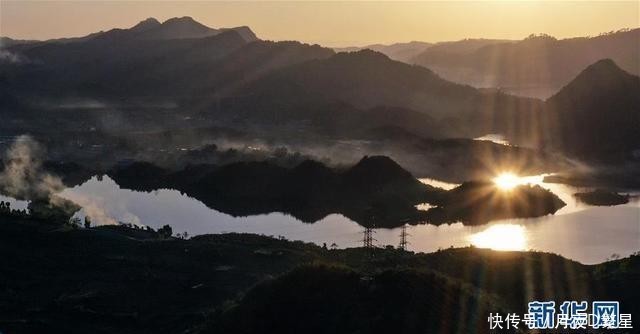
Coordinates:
331 23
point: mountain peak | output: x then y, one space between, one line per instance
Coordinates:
378 167
183 19
603 102
185 22
177 28
606 65
601 76
146 24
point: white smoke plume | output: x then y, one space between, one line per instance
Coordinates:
91 207
23 177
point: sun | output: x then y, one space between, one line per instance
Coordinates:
507 181
501 237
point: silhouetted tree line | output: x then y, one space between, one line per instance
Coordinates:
165 232
5 210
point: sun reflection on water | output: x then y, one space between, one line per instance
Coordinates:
501 237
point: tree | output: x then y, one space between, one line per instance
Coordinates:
165 231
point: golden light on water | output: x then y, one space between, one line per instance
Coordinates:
508 181
501 237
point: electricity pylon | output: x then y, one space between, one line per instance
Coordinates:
367 240
403 238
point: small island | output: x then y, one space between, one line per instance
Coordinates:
602 197
478 202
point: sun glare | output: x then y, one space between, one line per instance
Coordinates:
501 237
507 181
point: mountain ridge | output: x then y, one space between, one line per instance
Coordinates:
397 51
148 29
367 79
537 66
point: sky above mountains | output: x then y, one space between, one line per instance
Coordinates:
331 23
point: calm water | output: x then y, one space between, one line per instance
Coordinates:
583 233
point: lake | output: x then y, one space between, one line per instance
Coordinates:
584 233
580 232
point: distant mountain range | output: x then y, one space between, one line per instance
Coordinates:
367 79
407 52
537 66
228 77
171 59
398 51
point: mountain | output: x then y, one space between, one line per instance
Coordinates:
144 25
6 42
597 114
162 76
368 79
259 58
141 61
412 52
403 52
174 28
118 81
137 85
103 66
148 29
537 66
457 47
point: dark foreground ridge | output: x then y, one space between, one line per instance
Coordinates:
121 280
375 192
